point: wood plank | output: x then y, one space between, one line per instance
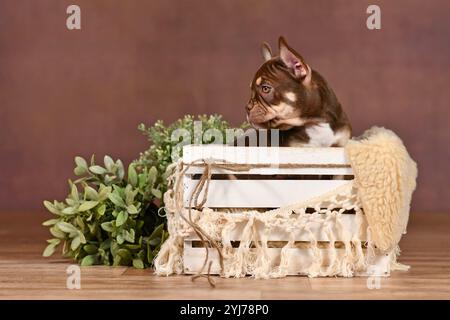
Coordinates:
278 170
25 274
266 155
259 193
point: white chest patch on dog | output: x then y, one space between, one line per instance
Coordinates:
321 135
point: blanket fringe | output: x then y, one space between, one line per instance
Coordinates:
252 256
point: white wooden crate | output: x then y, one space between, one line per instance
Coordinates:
272 186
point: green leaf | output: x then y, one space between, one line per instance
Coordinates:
139 224
51 207
71 203
109 179
89 260
90 248
164 236
70 210
130 194
54 241
133 246
97 170
56 232
67 227
141 127
122 217
49 250
90 193
120 169
129 236
157 193
152 173
103 193
138 263
132 175
124 253
131 209
93 228
149 254
109 163
107 226
105 244
74 192
157 232
50 222
79 222
82 238
117 260
78 171
80 162
155 241
101 209
120 239
87 205
75 243
117 189
116 199
143 180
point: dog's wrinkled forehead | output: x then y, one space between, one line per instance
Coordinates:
272 72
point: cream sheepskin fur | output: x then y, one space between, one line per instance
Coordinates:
385 176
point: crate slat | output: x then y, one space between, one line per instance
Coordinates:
283 171
266 155
259 193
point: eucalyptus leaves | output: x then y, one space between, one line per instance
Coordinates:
103 220
111 216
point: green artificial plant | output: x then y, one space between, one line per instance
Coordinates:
111 215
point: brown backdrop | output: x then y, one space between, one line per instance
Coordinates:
66 93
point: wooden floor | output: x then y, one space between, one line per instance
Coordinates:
25 274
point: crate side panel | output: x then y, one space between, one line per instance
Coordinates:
259 193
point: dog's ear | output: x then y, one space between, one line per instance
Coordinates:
294 61
266 51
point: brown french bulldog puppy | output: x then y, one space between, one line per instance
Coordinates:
287 94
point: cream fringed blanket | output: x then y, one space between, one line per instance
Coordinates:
385 178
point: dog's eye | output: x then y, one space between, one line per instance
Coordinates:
265 88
